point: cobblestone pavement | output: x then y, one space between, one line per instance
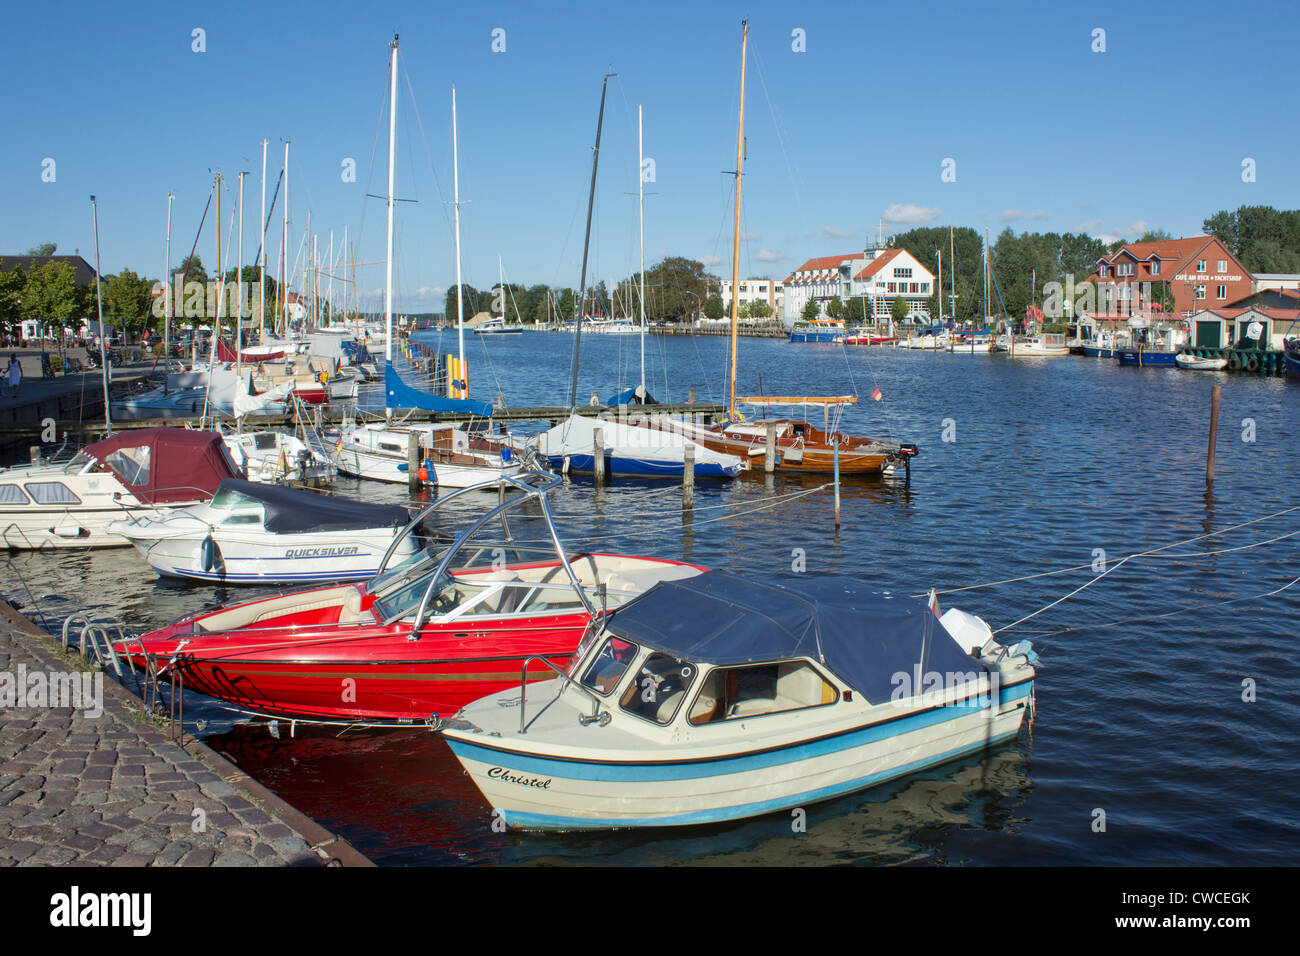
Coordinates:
115 790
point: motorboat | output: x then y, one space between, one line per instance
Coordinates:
253 533
630 448
818 330
716 698
1046 345
1198 364
451 456
455 622
277 457
134 473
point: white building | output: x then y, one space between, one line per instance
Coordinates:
879 275
755 290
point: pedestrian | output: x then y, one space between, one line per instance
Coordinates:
15 373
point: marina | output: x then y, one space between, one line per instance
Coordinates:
799 504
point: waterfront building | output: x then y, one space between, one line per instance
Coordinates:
1197 273
879 275
1224 328
755 290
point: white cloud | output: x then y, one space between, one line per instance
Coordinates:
1015 215
1090 226
767 255
1135 229
711 260
909 214
833 233
749 237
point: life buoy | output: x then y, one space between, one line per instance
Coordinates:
1234 361
1252 363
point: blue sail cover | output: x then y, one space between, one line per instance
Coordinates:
397 394
864 636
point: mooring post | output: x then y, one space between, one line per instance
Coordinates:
1215 396
413 460
769 455
688 477
690 397
598 455
835 444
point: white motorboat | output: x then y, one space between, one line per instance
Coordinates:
715 698
252 533
1046 345
450 456
275 457
1198 364
138 473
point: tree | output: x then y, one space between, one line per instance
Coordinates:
44 249
11 290
898 309
713 307
857 311
835 307
50 294
469 301
128 301
812 310
760 309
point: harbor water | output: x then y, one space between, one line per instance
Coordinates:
1166 696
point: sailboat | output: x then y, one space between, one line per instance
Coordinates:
799 445
497 324
628 447
450 456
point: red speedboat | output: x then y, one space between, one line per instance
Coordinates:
417 641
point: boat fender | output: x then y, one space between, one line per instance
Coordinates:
1234 361
423 474
1252 363
207 553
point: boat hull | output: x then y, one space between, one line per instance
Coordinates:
1146 359
532 791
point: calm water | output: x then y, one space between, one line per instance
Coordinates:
1138 715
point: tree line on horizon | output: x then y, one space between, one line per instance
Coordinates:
1265 239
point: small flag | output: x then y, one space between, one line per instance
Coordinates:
933 603
877 395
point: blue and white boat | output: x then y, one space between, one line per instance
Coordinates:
630 445
715 698
1147 357
254 533
818 330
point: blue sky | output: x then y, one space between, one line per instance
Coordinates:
1046 134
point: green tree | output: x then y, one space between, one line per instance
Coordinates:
835 307
760 309
898 309
12 282
811 310
50 295
128 302
468 301
713 307
44 249
857 311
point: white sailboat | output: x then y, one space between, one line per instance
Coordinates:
450 456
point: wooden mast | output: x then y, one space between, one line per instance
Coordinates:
735 243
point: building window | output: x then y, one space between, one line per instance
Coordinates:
1125 269
925 287
902 273
1200 292
1200 265
1223 291
1223 265
914 287
1103 273
1155 267
891 287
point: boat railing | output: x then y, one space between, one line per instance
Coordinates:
597 715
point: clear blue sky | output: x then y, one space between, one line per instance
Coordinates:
1046 134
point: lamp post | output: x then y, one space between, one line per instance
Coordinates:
698 306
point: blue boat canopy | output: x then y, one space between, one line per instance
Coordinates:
397 394
632 396
865 637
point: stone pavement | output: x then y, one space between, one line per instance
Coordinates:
114 790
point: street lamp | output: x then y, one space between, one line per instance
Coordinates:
698 305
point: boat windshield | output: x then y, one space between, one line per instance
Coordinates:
236 508
611 663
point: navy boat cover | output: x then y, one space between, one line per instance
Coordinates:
296 511
865 637
397 394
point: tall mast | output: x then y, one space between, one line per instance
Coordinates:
735 243
640 198
261 255
463 391
586 246
239 283
952 278
167 294
283 291
388 279
221 293
501 284
99 302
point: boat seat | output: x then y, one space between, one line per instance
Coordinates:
643 579
264 610
666 707
351 612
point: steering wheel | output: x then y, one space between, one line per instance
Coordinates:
446 600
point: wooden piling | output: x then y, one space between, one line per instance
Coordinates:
688 477
690 397
835 444
1215 396
598 455
769 453
413 460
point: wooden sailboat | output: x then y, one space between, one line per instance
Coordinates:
799 446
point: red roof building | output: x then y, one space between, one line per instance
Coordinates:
879 275
1199 273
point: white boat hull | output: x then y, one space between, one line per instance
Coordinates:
534 792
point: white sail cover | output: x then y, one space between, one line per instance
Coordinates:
575 437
